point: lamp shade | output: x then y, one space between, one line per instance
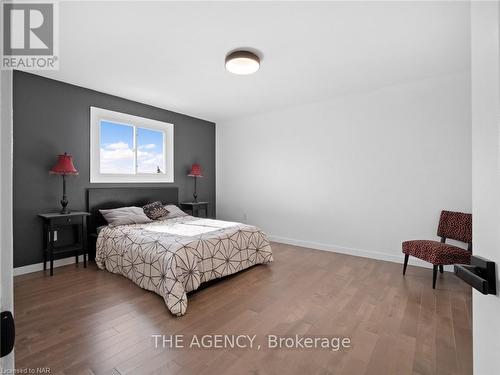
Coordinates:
195 171
64 165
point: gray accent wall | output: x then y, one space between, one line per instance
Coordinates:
52 117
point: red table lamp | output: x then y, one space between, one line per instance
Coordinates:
64 167
195 172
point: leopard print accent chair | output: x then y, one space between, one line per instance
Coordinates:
452 225
456 226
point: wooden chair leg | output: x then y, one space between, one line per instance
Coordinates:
441 268
434 276
406 263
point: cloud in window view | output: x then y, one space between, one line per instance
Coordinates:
150 151
117 153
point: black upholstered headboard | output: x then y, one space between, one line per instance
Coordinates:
105 198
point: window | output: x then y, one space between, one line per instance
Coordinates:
126 148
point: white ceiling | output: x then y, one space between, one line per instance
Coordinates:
171 55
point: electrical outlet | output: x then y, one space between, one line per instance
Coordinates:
245 217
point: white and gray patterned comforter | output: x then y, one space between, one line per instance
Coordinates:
174 256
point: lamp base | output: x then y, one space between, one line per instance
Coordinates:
64 204
195 194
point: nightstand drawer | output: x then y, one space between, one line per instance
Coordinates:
68 220
195 207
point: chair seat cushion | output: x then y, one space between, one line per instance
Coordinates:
436 252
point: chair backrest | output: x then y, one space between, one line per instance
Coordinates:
455 225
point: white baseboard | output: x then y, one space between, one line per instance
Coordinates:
39 266
355 252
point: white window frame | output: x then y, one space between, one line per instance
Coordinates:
97 115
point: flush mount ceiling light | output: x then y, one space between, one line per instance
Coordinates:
242 62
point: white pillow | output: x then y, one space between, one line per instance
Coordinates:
173 212
125 216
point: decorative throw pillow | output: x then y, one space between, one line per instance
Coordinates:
173 212
155 210
125 215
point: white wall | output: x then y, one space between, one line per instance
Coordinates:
6 256
356 174
485 71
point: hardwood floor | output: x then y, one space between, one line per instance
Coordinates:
85 321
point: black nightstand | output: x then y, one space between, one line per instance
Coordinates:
54 221
194 208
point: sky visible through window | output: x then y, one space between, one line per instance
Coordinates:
150 151
117 154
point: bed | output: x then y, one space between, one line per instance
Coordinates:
172 257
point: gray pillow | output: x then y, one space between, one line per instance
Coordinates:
173 212
125 215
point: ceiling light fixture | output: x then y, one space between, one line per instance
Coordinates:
242 62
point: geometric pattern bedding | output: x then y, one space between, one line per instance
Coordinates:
157 258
